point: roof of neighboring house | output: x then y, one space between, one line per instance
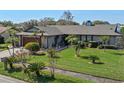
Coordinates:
47 31
75 29
2 29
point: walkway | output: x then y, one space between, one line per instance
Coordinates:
87 77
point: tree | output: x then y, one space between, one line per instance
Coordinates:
93 58
67 16
77 48
65 22
34 67
48 21
96 22
72 39
12 37
120 40
37 35
6 23
28 24
52 58
104 39
10 61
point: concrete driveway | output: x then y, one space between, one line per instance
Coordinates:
6 53
6 79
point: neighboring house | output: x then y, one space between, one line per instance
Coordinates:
54 36
3 34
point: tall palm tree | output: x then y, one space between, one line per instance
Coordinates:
40 34
104 40
52 58
12 37
72 39
77 48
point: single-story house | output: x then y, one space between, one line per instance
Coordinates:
54 36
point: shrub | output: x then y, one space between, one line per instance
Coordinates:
93 44
107 47
86 43
2 40
32 46
34 67
11 60
93 58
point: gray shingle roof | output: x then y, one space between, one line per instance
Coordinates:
89 30
78 30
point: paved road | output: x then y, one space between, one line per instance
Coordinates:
6 79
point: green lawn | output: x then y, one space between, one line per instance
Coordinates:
59 78
4 46
113 60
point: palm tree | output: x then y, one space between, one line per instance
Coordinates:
72 39
36 33
34 67
93 58
52 56
10 61
12 37
77 48
104 40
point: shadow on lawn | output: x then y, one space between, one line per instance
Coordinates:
88 58
17 69
48 79
97 63
120 54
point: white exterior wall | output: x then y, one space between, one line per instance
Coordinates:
45 42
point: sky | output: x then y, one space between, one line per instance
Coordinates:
113 16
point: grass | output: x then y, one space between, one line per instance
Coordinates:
4 46
112 68
59 78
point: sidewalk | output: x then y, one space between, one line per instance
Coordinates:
6 79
